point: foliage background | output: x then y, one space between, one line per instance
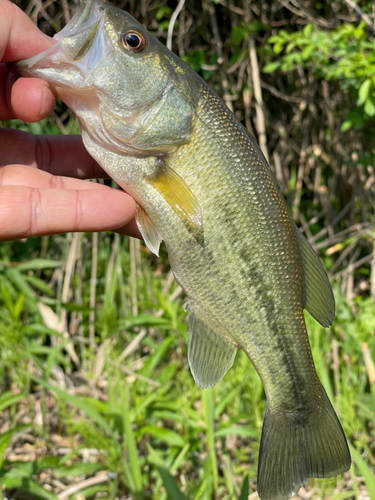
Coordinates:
96 396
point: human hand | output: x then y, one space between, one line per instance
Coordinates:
35 198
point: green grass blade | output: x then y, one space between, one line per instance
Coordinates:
209 410
238 430
30 486
168 480
244 489
166 435
153 360
18 279
130 442
180 457
225 401
365 471
6 437
76 401
39 284
8 399
36 264
78 469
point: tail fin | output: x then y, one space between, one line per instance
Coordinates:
298 445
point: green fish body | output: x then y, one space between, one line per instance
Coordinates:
204 187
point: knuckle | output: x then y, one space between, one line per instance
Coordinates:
35 211
79 210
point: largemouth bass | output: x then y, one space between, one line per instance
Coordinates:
204 187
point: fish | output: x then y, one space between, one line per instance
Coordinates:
203 186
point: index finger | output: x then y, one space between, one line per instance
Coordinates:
19 37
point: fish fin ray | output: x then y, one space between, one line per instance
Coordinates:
319 299
177 193
148 230
210 355
299 445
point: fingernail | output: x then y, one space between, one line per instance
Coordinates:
48 102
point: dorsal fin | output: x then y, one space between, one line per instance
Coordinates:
319 299
210 355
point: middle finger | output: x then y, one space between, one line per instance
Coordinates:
56 154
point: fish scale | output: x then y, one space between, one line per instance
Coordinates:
221 245
203 186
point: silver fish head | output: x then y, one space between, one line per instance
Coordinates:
124 86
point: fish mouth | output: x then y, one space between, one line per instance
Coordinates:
69 60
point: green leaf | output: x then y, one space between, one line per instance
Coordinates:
147 320
71 306
271 67
37 264
28 485
307 30
166 435
238 431
275 39
168 480
78 469
307 52
208 407
224 402
290 47
237 35
92 492
7 399
347 125
98 405
363 92
131 445
19 470
18 279
39 284
48 462
278 47
369 107
6 437
153 360
244 488
145 402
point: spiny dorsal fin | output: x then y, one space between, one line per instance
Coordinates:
177 193
210 355
148 230
319 299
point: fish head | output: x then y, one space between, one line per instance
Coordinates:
129 92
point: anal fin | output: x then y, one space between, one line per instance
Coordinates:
210 355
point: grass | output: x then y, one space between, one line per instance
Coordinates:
132 420
96 397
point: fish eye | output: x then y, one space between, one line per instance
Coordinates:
133 40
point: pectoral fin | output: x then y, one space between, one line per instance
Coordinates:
177 193
148 230
210 355
319 299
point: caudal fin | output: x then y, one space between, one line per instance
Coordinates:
298 445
